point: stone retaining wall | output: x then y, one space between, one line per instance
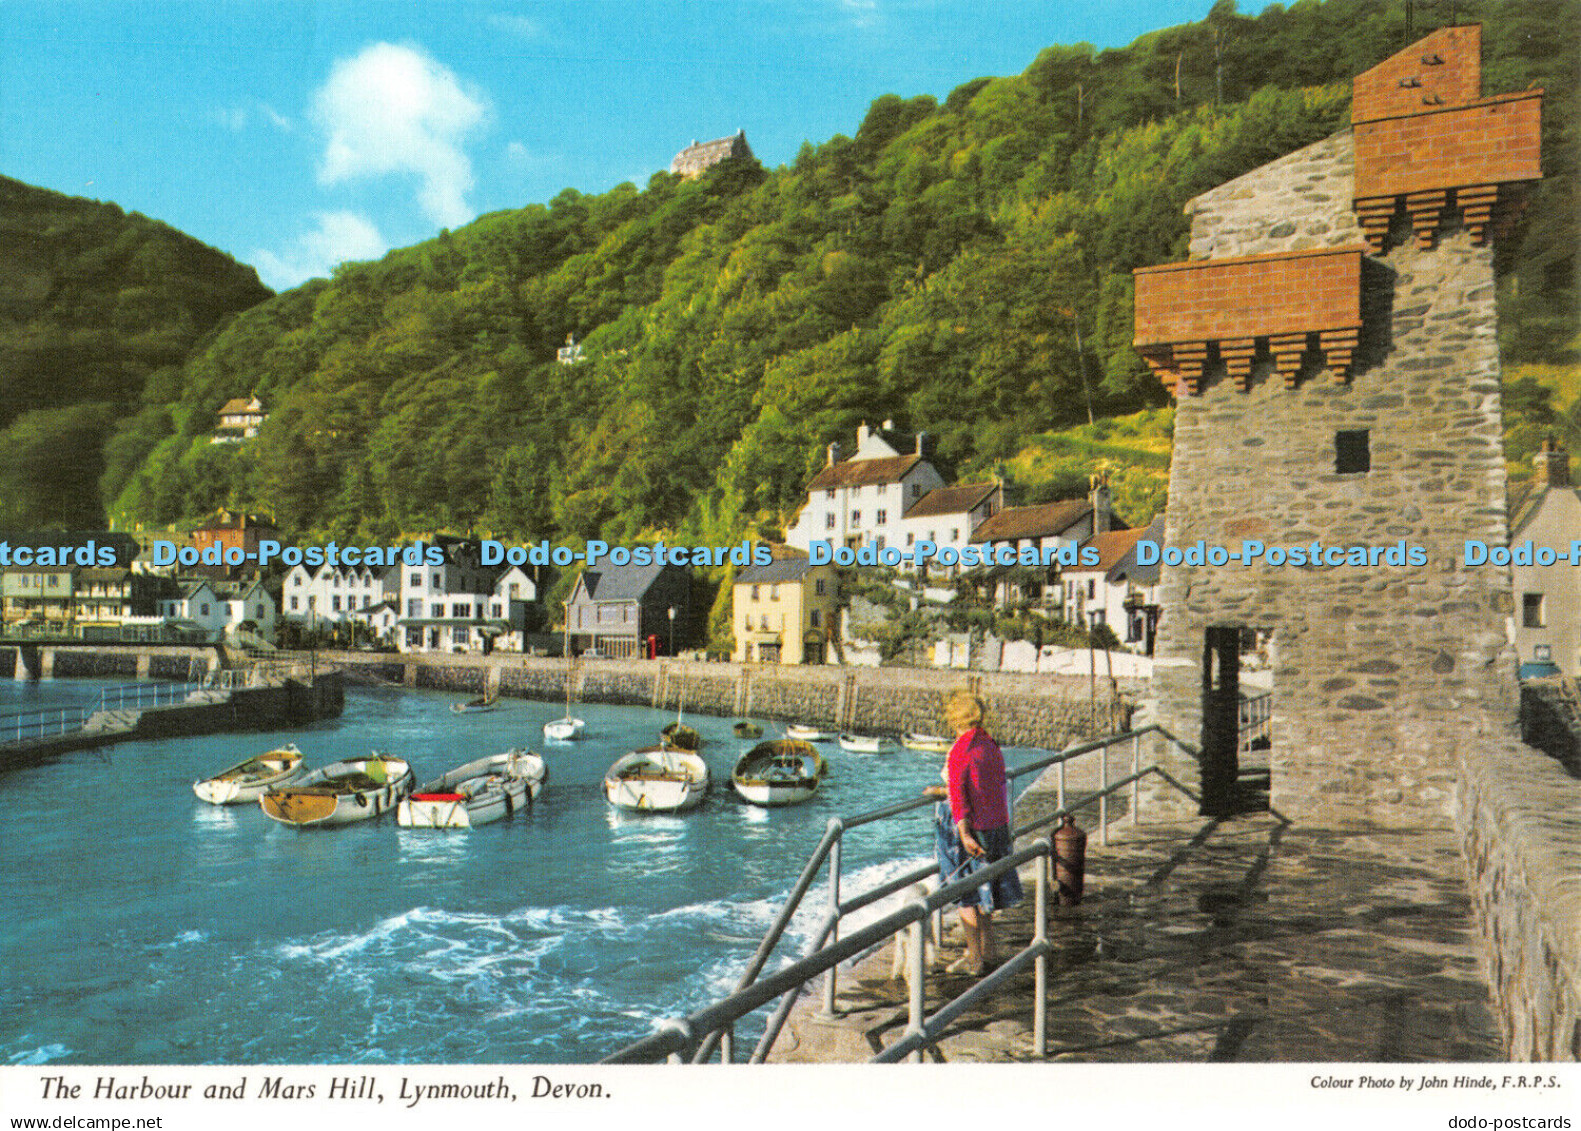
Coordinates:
1042 711
1515 809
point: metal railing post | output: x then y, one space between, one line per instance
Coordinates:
1040 1020
830 986
1136 781
1103 797
919 971
727 1046
1061 797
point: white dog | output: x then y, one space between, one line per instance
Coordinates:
901 966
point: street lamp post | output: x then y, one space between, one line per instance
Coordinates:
672 630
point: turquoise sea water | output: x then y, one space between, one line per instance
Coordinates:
142 925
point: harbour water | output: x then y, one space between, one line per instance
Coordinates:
143 926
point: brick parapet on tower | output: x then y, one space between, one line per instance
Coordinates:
1184 310
1427 141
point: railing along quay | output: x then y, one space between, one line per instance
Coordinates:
37 726
699 1035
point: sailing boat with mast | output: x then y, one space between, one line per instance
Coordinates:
678 735
568 727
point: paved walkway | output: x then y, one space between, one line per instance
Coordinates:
1241 940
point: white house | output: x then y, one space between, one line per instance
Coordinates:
446 607
513 593
1118 591
381 619
1547 599
889 493
330 594
239 420
248 602
1063 524
197 603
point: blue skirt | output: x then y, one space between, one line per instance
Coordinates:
954 863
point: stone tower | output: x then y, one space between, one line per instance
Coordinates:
1332 346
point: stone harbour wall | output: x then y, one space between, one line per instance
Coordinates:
1047 712
1515 809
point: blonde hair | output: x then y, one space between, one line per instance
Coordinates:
963 711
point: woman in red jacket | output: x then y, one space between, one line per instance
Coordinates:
976 830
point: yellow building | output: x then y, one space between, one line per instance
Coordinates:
784 612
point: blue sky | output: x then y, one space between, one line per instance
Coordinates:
295 134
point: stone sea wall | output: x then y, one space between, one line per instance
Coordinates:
1515 808
1042 711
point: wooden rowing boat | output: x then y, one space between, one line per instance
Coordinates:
472 706
916 740
246 781
781 771
342 792
478 793
658 779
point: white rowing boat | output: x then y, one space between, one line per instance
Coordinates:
781 771
658 779
246 781
807 734
477 793
934 743
342 792
863 744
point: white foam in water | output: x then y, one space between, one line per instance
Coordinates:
41 1055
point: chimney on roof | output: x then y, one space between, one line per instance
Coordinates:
834 455
924 445
861 434
1102 504
889 426
1552 465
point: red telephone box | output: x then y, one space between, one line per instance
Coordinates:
653 647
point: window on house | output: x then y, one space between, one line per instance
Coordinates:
295 603
817 587
1532 610
414 608
1352 452
461 610
334 603
815 618
856 518
204 608
1092 589
829 494
754 592
437 582
774 592
916 490
436 610
828 521
911 539
883 517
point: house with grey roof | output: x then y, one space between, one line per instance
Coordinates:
631 610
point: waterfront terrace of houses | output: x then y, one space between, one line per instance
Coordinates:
888 492
628 611
784 612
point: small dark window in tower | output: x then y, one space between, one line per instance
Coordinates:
1532 610
1352 452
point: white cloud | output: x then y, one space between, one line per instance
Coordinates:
393 110
339 237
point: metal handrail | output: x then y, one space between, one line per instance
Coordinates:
711 1028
